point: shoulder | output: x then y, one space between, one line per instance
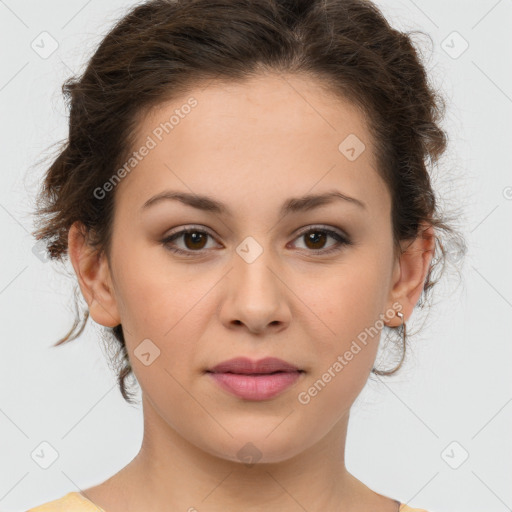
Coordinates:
71 502
405 508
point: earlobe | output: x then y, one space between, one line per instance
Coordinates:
93 276
414 265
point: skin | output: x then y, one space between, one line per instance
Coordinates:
251 146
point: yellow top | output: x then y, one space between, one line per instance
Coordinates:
75 502
71 502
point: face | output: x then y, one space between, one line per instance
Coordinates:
311 285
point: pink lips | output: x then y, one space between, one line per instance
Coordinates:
255 380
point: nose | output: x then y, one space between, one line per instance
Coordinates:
256 297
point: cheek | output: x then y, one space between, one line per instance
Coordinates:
151 292
170 308
349 306
347 299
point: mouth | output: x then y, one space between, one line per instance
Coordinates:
246 366
254 374
255 380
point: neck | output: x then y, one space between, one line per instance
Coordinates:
171 473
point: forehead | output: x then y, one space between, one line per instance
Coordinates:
273 134
293 106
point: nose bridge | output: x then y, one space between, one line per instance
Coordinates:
253 265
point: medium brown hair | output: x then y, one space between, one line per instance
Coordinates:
163 48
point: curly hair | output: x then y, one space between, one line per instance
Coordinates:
162 48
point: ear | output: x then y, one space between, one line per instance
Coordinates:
411 271
93 276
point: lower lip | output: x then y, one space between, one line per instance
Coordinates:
255 387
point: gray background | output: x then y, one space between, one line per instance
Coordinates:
409 434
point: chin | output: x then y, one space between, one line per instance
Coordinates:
259 448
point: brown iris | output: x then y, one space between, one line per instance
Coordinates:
195 238
315 237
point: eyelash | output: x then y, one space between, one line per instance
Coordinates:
341 239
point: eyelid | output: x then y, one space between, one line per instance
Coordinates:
322 227
298 231
189 228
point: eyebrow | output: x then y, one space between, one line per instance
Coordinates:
291 205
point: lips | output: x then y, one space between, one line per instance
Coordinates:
255 380
246 366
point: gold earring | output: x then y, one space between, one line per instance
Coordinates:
401 315
389 372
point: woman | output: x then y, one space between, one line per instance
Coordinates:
245 201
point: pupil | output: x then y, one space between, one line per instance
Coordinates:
315 237
195 238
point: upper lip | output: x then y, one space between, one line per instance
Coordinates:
248 366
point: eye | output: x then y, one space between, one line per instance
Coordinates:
193 238
315 238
